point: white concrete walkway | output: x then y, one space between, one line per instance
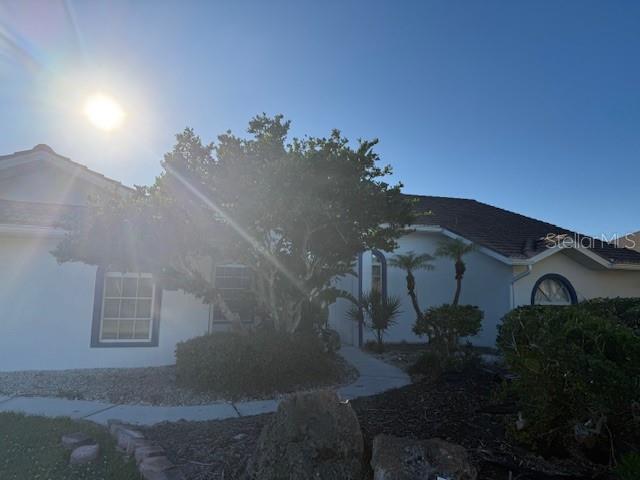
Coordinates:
375 376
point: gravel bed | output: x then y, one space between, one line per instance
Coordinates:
139 386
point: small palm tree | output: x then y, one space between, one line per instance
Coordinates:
410 262
381 310
456 249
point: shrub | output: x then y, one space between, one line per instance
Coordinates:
381 313
629 467
577 375
254 363
445 325
623 310
434 363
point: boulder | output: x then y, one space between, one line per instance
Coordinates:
75 440
395 458
311 436
84 454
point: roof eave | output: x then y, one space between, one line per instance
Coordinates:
528 261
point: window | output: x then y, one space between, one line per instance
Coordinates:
376 274
127 308
234 283
553 289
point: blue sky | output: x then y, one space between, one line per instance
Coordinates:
530 106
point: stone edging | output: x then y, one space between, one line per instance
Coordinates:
150 458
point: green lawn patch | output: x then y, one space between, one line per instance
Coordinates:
30 448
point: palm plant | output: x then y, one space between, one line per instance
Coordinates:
410 262
455 249
381 312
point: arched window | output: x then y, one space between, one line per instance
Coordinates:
378 272
553 289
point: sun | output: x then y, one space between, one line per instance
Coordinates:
104 112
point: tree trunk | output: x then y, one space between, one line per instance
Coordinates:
456 297
411 284
460 269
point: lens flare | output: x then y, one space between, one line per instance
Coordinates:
103 112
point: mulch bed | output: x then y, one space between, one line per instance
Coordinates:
457 407
217 449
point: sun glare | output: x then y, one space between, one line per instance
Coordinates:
104 112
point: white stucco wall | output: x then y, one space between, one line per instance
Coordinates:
587 282
486 284
46 313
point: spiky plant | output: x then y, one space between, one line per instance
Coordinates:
381 313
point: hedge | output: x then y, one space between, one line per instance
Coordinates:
577 373
239 364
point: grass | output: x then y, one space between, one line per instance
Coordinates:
30 448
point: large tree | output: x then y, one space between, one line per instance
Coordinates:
296 213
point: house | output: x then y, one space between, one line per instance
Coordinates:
630 240
63 316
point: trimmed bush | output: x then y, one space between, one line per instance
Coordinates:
446 324
577 375
254 363
623 310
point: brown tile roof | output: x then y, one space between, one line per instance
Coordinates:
37 214
46 148
507 233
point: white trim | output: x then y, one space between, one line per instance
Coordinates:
149 338
15 230
528 261
450 234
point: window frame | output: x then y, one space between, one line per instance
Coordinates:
214 319
98 312
556 278
382 263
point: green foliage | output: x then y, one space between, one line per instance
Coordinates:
577 375
411 262
623 310
629 467
434 363
378 312
446 324
254 363
295 211
31 449
455 249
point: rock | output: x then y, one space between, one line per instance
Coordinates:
114 425
125 435
311 436
240 436
395 458
159 468
142 453
84 454
135 443
75 440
